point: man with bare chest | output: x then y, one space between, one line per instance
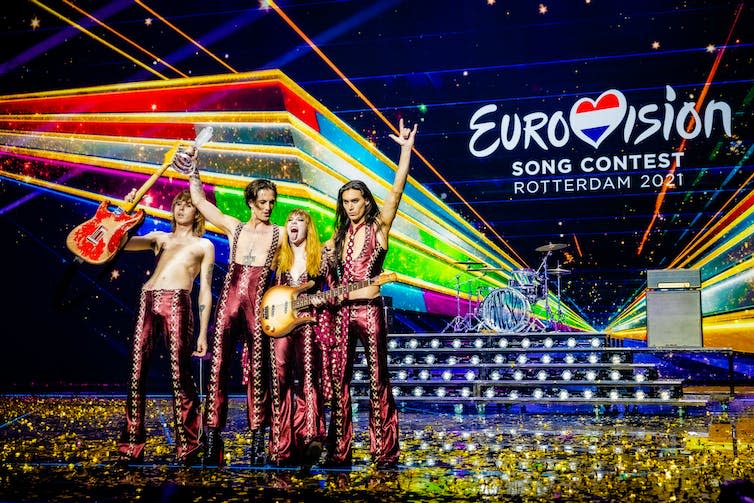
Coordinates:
252 247
165 306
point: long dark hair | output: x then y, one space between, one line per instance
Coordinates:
342 222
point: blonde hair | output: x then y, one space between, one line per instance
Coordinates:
313 245
197 228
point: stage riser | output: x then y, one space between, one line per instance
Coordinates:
543 369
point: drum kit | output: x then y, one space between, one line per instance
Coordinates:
509 309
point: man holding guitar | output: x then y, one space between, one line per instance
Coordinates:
165 305
253 245
358 252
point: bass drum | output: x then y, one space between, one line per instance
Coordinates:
506 310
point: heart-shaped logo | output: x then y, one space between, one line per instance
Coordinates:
593 121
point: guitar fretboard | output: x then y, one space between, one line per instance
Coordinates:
305 301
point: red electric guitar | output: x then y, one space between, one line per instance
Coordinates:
280 304
99 239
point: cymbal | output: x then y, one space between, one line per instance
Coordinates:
490 269
559 271
551 247
467 262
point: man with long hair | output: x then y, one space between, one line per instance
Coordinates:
253 245
359 250
165 306
297 429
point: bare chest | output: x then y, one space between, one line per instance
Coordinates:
254 246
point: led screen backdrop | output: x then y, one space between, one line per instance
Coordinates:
620 129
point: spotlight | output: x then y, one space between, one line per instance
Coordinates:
424 374
413 344
640 377
441 392
548 342
402 375
513 395
640 395
478 343
525 342
447 446
489 392
503 343
456 343
542 375
495 375
470 375
447 375
430 461
409 359
392 344
465 392
566 375
571 342
665 394
538 393
569 359
430 359
615 375
521 359
452 360
563 394
474 359
614 395
499 359
588 394
396 391
615 359
593 358
418 391
434 343
591 375
546 359
518 375
358 375
596 342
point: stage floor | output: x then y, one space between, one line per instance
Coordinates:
61 448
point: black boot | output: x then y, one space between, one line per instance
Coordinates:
312 454
257 448
214 453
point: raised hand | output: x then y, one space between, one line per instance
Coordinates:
406 135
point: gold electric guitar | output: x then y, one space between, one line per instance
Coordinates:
280 304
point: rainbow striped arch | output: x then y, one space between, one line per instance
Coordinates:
82 142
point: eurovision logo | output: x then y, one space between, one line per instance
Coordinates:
593 121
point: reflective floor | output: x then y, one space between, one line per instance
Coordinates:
62 449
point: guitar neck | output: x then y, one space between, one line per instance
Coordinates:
331 294
152 179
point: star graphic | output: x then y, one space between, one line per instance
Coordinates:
655 45
711 48
115 274
34 23
490 2
542 8
148 21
